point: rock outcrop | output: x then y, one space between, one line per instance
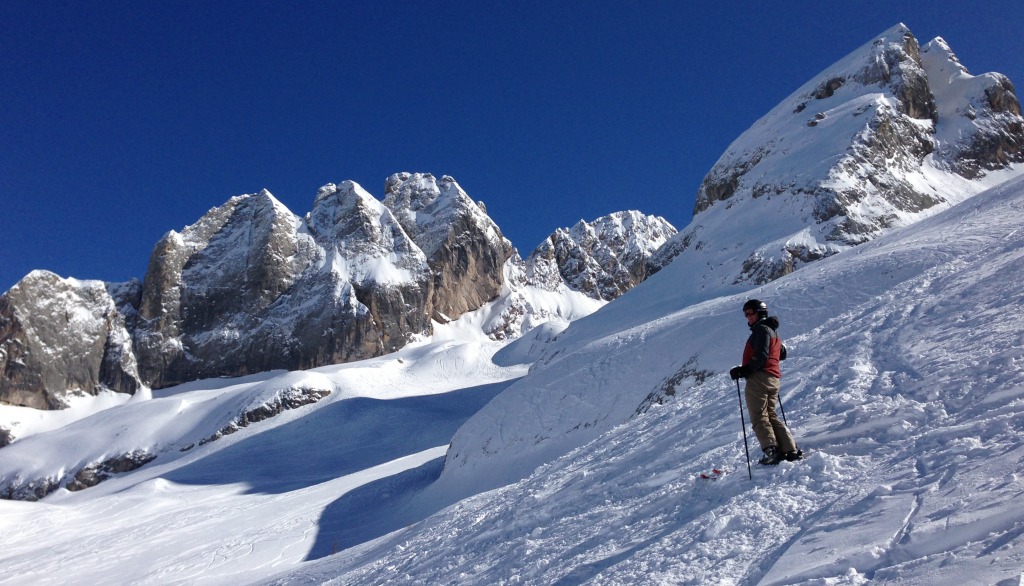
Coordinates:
464 247
883 137
252 287
61 337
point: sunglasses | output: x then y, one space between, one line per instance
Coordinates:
749 313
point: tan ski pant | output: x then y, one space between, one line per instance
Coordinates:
762 397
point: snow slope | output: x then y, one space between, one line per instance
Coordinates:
249 502
905 385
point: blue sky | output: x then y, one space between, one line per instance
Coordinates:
120 121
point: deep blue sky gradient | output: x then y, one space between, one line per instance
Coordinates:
120 121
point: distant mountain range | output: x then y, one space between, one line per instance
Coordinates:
252 287
890 134
549 419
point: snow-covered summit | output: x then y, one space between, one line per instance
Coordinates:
362 239
604 258
979 127
464 247
877 140
428 209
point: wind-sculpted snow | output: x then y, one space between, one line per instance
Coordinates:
302 483
153 429
602 374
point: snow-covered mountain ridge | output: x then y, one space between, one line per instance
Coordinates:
252 287
887 135
904 385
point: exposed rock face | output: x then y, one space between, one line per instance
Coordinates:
575 271
884 136
464 247
251 287
881 92
981 125
97 472
60 337
369 291
603 259
204 286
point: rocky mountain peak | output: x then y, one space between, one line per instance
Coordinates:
464 247
856 151
879 85
602 259
411 191
574 272
980 125
428 209
945 62
251 287
358 231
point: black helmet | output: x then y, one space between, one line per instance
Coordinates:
756 305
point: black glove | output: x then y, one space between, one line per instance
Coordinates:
738 372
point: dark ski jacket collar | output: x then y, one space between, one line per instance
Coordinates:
770 321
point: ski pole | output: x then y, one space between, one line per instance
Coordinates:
743 425
783 409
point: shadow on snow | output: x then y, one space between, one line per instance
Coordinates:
375 509
342 438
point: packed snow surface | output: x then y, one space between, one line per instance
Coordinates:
905 386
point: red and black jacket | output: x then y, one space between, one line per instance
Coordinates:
763 349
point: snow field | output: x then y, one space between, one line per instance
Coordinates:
905 385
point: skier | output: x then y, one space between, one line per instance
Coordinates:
761 369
